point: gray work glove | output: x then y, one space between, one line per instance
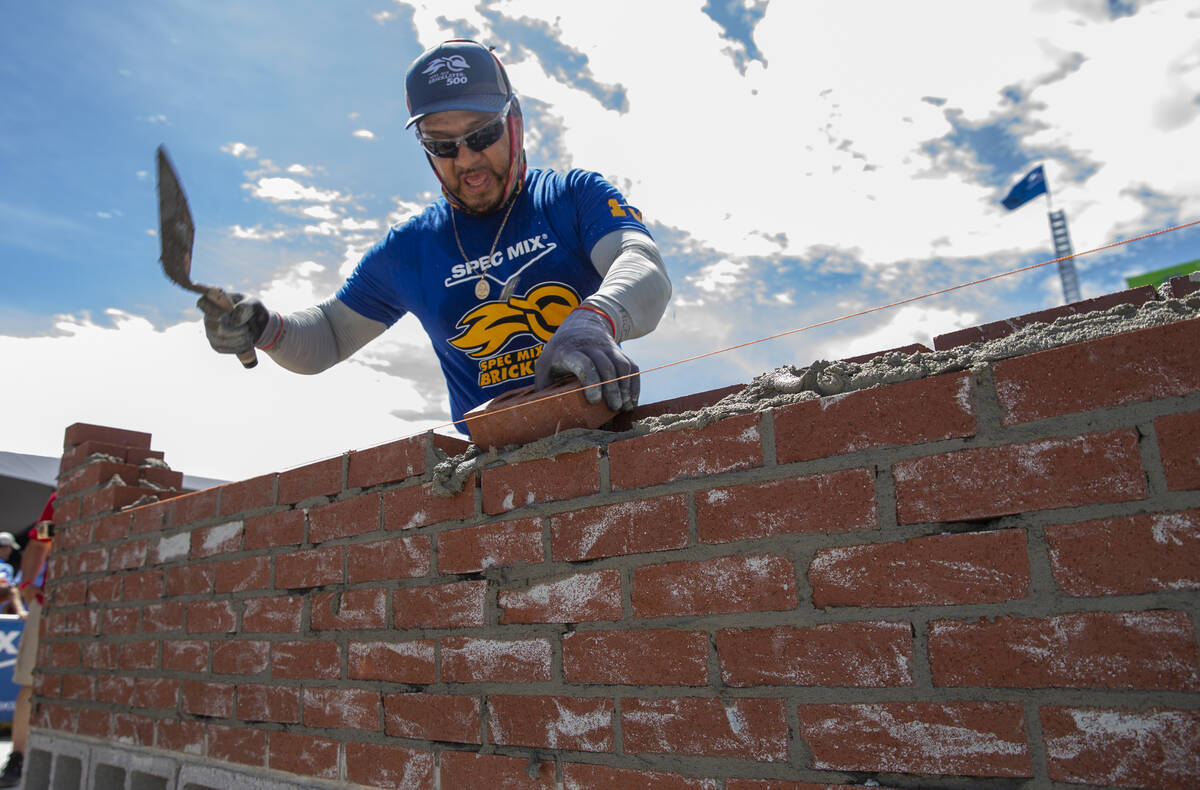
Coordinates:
237 330
583 347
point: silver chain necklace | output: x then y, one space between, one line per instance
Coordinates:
482 289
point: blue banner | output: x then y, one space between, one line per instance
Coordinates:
10 635
1029 187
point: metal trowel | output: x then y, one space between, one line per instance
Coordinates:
176 231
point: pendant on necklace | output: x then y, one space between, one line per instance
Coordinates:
482 289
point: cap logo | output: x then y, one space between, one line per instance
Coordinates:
447 69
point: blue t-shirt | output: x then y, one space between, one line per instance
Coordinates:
539 272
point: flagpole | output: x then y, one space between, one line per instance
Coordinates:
1062 247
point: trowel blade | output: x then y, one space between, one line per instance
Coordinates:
175 228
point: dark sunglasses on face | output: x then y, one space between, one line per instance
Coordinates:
478 140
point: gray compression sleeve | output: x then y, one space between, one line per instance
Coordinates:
319 337
635 289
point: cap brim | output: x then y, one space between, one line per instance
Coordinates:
490 102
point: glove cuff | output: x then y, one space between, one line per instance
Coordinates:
611 324
271 332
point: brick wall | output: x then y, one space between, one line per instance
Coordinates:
982 579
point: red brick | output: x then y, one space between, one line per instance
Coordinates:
78 687
624 528
268 703
526 414
252 494
581 776
582 724
249 573
188 737
55 717
654 657
206 699
726 446
957 738
907 413
80 432
324 478
822 504
723 585
748 729
68 593
395 662
350 609
433 717
114 689
472 660
417 506
312 568
211 617
149 475
580 598
303 754
343 519
454 605
217 539
864 655
285 528
156 692
470 549
1178 440
139 655
197 506
185 655
114 527
82 452
978 567
996 481
96 473
554 479
237 745
306 660
390 766
1131 367
342 708
1150 552
134 730
108 500
277 615
906 350
1109 650
190 580
49 686
496 772
387 463
159 618
241 657
96 723
1152 747
143 586
92 561
395 558
128 556
149 518
121 620
1181 286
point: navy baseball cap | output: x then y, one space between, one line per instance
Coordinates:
455 75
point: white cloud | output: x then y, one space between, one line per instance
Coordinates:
319 212
281 189
226 422
240 150
718 276
255 233
298 169
364 134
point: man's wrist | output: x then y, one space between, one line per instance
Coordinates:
593 309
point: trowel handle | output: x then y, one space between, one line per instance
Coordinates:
248 358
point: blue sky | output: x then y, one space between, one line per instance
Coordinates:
793 163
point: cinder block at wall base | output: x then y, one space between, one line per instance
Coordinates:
523 415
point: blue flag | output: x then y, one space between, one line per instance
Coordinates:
1025 190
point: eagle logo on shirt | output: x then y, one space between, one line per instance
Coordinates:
490 326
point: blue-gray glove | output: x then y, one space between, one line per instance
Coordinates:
237 330
583 347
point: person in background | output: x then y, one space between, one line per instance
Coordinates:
33 573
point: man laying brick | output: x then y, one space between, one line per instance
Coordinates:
517 275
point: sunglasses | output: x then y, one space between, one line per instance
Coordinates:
479 140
